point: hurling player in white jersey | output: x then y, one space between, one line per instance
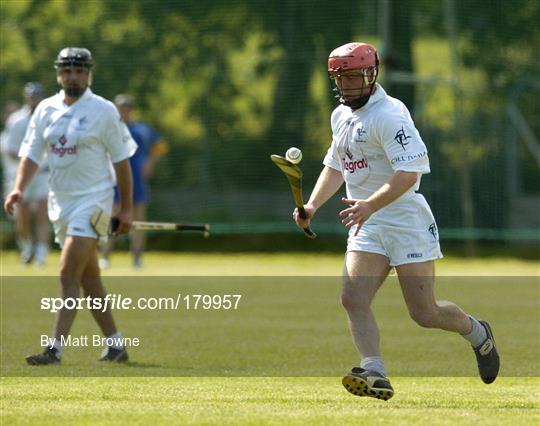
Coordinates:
88 149
379 154
34 204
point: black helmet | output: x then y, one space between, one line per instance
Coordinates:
34 90
74 56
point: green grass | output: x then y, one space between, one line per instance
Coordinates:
275 401
279 357
265 264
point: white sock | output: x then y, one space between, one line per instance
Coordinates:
373 363
42 250
478 333
118 337
25 244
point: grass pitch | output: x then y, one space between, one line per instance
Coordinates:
272 401
194 379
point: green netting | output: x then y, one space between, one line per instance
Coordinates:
229 83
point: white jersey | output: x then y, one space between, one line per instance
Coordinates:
370 144
81 140
10 142
9 164
15 129
16 126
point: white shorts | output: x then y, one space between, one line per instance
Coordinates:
70 215
405 232
38 189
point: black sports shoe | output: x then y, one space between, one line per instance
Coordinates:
48 356
114 355
487 356
362 382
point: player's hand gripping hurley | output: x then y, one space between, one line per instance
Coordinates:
294 176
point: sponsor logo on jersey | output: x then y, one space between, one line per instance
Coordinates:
354 165
62 150
407 158
401 138
414 255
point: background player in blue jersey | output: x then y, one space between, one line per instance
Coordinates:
150 148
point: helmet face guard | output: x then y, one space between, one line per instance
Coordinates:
357 61
366 77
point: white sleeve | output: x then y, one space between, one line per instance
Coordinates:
33 144
117 138
331 158
402 143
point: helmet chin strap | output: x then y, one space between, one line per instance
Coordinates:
355 103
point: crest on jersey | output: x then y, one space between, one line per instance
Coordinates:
83 121
401 138
360 135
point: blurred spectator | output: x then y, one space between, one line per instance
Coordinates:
150 148
35 196
9 108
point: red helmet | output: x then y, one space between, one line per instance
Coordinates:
355 58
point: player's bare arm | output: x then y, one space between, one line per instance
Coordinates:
330 180
125 189
158 150
26 171
360 210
